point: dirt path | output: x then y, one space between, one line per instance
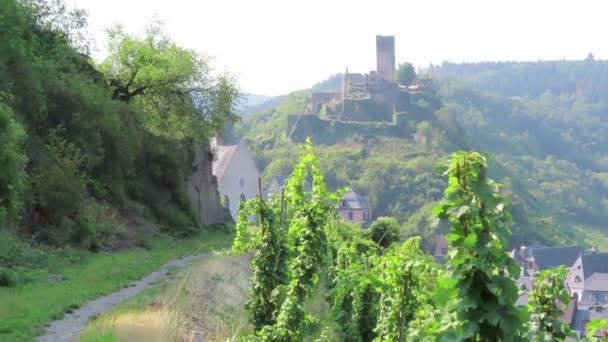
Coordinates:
72 324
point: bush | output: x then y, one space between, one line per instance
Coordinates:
7 277
384 231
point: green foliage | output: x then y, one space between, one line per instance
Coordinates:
482 274
384 231
595 326
405 73
407 280
172 84
547 300
13 178
270 261
354 294
308 218
88 136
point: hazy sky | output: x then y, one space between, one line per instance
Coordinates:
277 46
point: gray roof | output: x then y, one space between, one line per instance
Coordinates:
552 257
595 263
352 200
597 282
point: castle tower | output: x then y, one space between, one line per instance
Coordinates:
345 84
385 57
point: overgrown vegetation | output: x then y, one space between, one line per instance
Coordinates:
83 146
394 292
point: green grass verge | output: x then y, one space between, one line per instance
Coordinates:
138 303
25 309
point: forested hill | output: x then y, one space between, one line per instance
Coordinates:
545 123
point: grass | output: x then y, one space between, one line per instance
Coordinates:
207 297
26 308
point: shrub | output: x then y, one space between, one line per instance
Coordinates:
384 231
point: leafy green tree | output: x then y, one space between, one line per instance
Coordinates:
172 84
384 231
482 274
546 304
405 73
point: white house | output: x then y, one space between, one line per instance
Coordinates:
236 173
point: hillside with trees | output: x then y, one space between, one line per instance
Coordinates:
96 155
543 124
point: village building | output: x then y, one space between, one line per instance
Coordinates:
236 173
534 259
353 208
440 247
588 280
538 258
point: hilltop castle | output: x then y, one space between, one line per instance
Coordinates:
372 97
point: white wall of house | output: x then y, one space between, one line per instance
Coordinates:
576 279
354 215
239 180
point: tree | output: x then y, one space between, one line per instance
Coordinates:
384 231
172 84
405 73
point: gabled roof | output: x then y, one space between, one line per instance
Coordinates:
224 155
552 257
594 263
352 200
597 282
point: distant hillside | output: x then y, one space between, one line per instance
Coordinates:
545 123
249 102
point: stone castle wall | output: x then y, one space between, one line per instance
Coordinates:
202 189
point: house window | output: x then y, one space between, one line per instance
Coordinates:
226 201
577 279
242 182
242 198
350 215
593 296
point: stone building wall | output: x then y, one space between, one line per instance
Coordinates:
385 57
240 180
203 189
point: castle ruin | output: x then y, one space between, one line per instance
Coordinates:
371 97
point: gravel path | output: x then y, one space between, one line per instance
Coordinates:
71 325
